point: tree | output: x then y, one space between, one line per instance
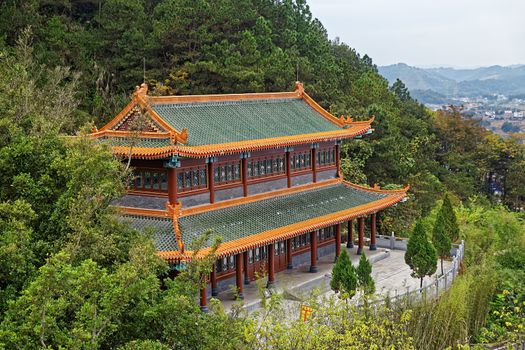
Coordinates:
364 275
421 254
440 237
450 220
344 276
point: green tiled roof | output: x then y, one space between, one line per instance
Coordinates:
162 230
252 218
232 121
142 142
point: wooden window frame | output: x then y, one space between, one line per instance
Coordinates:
320 154
219 182
303 159
181 185
280 160
140 172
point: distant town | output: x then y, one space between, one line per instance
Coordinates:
503 115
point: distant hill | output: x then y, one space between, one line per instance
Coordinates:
439 85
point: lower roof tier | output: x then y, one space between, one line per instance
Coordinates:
246 226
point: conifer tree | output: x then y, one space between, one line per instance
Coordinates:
440 238
344 277
450 221
421 254
364 275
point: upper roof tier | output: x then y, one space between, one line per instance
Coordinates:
207 125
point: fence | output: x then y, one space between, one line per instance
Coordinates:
440 283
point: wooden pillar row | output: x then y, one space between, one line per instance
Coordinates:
289 264
238 275
313 251
361 225
211 180
271 265
203 300
350 240
288 169
172 186
213 278
244 175
245 265
373 232
337 240
314 164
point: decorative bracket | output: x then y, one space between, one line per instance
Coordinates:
174 162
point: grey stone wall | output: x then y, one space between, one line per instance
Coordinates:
228 193
301 179
326 174
267 186
141 201
198 199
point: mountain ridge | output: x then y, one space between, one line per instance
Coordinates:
455 83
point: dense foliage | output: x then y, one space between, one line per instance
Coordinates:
74 276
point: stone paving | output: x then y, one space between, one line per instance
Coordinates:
389 271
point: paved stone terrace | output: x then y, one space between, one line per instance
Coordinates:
389 271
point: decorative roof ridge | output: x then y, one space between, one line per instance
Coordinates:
282 141
127 133
140 97
288 231
174 213
377 188
257 197
252 96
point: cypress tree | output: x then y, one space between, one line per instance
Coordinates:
344 278
421 254
440 238
364 275
450 220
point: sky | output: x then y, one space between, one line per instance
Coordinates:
429 33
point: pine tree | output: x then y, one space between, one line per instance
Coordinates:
420 255
344 277
364 275
450 221
440 238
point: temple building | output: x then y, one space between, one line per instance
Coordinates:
259 170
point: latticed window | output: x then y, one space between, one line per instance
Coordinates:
265 166
300 161
191 178
224 173
155 180
326 157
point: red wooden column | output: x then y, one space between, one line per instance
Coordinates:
289 254
238 274
361 235
373 231
350 241
337 240
245 264
271 264
213 278
211 180
313 251
203 300
172 185
288 170
337 157
314 164
244 174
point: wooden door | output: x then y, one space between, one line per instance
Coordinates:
257 262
